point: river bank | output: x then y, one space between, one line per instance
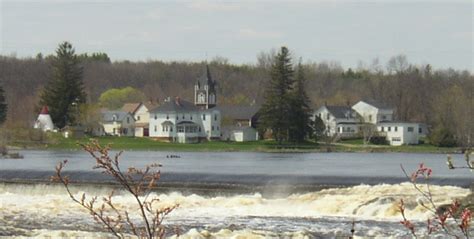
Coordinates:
127 143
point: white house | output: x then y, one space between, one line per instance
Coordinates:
339 120
373 112
181 121
44 121
400 133
239 123
141 115
117 123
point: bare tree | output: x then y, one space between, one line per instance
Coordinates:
138 182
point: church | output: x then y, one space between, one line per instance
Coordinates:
177 120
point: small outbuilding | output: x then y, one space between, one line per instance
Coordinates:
44 121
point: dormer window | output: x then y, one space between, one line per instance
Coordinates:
167 117
114 117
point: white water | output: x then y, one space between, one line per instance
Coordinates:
45 210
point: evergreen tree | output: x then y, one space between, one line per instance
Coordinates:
3 106
300 127
65 89
277 106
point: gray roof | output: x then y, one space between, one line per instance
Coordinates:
378 104
114 115
341 112
176 105
239 112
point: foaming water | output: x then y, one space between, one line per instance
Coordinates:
40 209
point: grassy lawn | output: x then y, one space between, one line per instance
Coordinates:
56 141
130 143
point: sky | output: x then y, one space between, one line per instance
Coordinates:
349 32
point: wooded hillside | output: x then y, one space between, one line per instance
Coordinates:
418 93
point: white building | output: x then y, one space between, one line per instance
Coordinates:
400 133
239 123
117 123
373 112
141 115
339 120
44 121
181 121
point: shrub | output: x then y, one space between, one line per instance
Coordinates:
442 137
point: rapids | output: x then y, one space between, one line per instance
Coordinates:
40 210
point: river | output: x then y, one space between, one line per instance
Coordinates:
267 195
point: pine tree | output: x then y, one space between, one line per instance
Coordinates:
277 106
300 111
3 106
65 89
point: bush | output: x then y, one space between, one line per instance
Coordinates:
442 137
379 140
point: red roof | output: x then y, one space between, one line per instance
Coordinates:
44 111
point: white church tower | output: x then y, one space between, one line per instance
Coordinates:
205 91
44 121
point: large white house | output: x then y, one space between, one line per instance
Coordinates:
340 120
373 112
141 115
177 120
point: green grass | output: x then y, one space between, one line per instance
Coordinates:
130 143
56 141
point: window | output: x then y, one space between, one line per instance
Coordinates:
171 129
177 118
125 131
156 128
396 139
163 128
217 127
215 117
384 117
128 120
410 129
395 128
370 117
167 117
420 130
156 117
382 129
327 116
212 128
191 117
199 128
204 117
114 130
138 117
183 116
389 129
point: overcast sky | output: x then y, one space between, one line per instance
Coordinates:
435 32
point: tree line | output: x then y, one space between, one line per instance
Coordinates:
442 98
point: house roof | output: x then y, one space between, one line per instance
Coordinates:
114 115
131 107
239 112
378 104
341 112
177 105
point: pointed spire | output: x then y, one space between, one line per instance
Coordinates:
208 75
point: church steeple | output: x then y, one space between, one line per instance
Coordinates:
205 91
